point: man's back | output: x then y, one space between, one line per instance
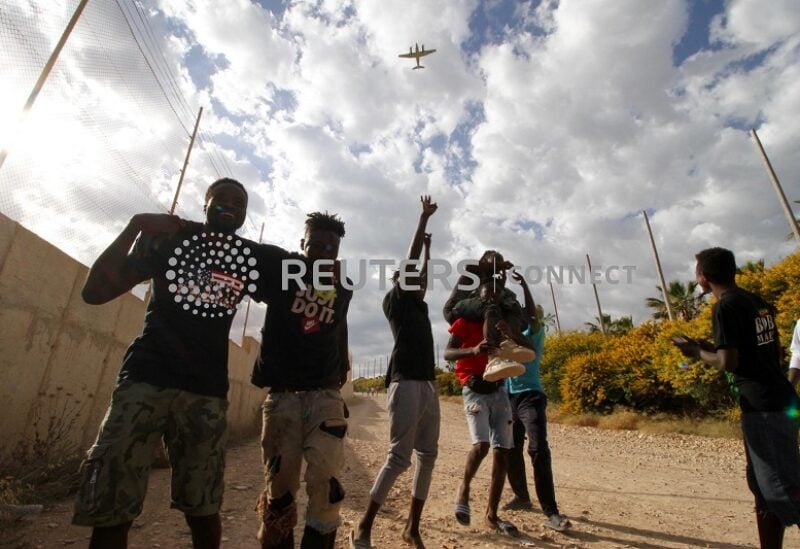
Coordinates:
743 320
412 354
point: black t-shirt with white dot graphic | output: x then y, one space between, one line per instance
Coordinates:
199 279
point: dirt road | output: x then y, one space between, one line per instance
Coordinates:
620 488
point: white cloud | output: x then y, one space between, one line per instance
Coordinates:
587 122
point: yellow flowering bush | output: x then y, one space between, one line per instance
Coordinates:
557 350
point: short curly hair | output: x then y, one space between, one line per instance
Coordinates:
224 181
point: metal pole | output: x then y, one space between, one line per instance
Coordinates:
186 161
596 298
658 267
250 300
48 67
555 308
778 189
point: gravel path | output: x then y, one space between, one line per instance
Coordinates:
620 488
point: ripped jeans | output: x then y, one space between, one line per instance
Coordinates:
301 425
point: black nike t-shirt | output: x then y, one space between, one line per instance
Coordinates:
412 355
199 278
744 321
305 331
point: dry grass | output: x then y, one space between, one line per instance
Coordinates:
723 426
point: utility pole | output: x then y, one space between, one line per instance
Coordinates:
778 189
48 67
664 294
596 298
555 307
186 162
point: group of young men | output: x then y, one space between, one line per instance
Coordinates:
173 382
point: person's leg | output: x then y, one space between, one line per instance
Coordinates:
324 454
195 442
773 472
516 462
534 417
403 406
427 449
115 472
477 413
411 533
474 460
502 439
110 537
770 530
206 531
499 465
491 316
282 454
455 296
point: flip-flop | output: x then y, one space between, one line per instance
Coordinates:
557 522
354 543
462 514
506 528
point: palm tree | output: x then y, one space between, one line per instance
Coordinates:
619 326
755 267
684 304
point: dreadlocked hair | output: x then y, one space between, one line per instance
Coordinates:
318 221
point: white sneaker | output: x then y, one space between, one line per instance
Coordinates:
500 368
511 350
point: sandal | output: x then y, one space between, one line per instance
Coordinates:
557 522
462 514
506 528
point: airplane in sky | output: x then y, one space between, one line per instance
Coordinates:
416 54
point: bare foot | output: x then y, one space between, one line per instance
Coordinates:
413 539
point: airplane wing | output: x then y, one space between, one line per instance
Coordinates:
409 55
426 52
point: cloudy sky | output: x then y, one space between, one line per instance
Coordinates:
542 129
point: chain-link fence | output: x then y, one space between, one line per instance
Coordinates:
107 136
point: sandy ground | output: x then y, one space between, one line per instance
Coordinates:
620 488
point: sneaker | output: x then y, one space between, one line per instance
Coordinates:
515 352
500 368
518 504
557 522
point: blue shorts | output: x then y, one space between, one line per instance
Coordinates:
489 417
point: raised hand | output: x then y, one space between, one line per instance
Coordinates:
428 207
158 224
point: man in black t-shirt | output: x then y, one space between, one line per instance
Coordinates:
174 377
413 399
304 361
746 345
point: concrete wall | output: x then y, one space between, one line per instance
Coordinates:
59 357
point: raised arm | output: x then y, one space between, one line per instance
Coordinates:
530 304
428 209
113 274
426 256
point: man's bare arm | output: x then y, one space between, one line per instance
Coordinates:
428 209
112 274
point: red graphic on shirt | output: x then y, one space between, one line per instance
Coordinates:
315 310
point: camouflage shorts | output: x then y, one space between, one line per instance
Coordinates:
115 472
